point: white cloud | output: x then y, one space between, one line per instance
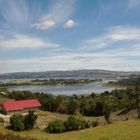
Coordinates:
60 62
15 13
44 25
58 13
124 33
114 35
133 3
69 24
111 60
23 41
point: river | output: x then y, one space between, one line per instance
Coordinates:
65 89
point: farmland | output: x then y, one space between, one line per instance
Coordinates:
127 130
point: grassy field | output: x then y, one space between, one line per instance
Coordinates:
126 130
44 117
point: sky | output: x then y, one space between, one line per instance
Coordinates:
49 35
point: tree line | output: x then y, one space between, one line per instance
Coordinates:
49 82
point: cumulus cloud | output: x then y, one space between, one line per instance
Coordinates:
69 24
23 41
58 13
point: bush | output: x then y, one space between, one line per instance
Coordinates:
80 124
56 127
29 120
73 123
17 122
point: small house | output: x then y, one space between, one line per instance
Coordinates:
21 106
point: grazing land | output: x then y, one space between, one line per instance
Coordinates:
128 130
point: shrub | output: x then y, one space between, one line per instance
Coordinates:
73 123
56 127
17 122
80 124
30 120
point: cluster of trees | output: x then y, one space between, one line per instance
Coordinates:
125 82
72 123
64 81
19 122
87 105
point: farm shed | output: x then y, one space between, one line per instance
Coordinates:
22 106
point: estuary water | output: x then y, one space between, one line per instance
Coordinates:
65 89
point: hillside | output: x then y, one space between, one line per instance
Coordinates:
128 130
44 117
69 74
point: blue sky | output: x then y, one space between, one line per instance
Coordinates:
44 35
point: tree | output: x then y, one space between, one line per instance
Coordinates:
73 106
17 122
107 112
63 106
99 108
93 95
30 120
135 96
107 108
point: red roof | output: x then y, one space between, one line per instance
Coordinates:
20 105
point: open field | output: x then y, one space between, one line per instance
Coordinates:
44 117
127 130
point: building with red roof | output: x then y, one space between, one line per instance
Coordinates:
10 107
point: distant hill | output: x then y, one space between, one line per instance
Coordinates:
70 74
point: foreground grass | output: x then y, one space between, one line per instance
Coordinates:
128 130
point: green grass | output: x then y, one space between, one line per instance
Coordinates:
128 130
